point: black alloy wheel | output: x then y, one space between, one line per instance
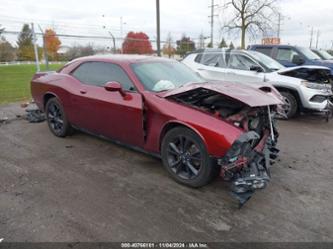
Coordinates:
185 157
56 118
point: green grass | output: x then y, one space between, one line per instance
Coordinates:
15 81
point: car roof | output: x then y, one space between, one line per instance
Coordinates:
121 58
272 46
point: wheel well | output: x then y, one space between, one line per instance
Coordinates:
169 127
294 93
47 97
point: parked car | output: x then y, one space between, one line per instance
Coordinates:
160 106
291 56
303 87
323 54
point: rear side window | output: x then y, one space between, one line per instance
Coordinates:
211 59
266 51
99 73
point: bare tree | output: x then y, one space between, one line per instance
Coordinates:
251 16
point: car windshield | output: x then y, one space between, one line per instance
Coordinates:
159 76
267 61
308 53
325 55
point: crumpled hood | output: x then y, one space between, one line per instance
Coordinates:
250 95
290 69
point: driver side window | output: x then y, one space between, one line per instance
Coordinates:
99 73
240 62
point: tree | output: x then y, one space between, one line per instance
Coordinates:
52 43
25 49
1 29
7 51
251 16
137 43
209 45
78 51
184 45
231 46
223 44
168 48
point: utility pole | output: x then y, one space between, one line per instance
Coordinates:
212 15
34 39
46 58
279 25
158 35
318 34
311 37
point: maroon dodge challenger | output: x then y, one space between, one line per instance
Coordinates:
199 129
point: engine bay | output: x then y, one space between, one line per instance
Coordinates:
322 76
226 108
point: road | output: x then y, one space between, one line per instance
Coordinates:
82 188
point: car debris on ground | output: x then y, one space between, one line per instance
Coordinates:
34 114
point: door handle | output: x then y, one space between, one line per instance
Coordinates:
83 91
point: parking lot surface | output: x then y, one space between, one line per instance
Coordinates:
82 188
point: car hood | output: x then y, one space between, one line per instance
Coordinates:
323 63
290 69
250 95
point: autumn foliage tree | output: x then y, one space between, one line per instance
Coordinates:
52 43
137 43
7 51
168 48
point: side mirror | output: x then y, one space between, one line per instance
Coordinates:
297 60
256 69
114 86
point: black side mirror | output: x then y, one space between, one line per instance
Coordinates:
297 60
256 69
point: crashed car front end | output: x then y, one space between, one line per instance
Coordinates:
247 163
315 86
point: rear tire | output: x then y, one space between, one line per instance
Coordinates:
185 157
56 118
291 104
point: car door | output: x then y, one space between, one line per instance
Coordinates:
108 113
212 66
239 69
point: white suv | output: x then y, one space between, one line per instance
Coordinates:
303 87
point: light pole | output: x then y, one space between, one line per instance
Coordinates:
46 58
113 38
158 35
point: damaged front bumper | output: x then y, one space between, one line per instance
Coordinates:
247 163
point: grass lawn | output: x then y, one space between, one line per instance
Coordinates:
15 81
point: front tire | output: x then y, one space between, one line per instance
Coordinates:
291 106
185 157
56 118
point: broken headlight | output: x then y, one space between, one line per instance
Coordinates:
316 86
242 146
